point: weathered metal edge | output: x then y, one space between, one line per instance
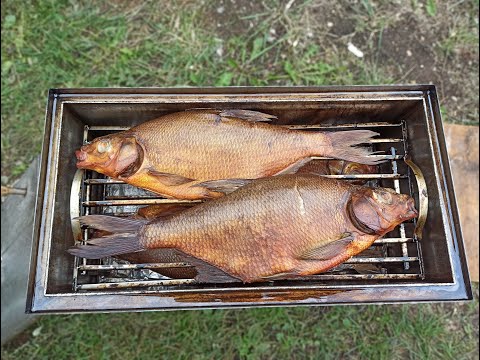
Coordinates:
459 263
40 193
244 89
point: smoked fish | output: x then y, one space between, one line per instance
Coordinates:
271 228
174 154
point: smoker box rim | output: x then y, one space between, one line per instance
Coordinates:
154 90
459 289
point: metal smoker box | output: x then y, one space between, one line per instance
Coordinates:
401 267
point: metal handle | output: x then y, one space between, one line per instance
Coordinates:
74 204
7 190
422 197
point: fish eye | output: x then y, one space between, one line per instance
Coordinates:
103 146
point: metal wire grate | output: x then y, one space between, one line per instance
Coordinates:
396 257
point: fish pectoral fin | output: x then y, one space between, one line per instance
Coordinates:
328 251
224 186
293 168
169 179
248 115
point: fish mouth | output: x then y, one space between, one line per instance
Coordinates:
412 212
81 159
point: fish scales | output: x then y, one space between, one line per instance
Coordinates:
230 138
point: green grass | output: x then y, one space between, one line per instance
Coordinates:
55 44
48 44
364 332
80 44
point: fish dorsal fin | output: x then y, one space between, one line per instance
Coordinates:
328 251
224 186
169 179
248 115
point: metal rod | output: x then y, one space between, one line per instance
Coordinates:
360 277
134 284
367 176
134 266
348 177
109 128
85 133
357 260
393 240
293 127
126 197
103 181
87 195
378 157
340 126
137 202
76 194
396 183
386 140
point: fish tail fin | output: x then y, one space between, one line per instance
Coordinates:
108 246
112 224
125 238
344 145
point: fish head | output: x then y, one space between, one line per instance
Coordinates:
115 155
380 210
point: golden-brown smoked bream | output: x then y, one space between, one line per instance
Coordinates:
276 227
174 154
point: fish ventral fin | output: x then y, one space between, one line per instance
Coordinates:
169 179
344 145
328 251
247 115
224 186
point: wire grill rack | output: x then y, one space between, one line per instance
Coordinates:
395 257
